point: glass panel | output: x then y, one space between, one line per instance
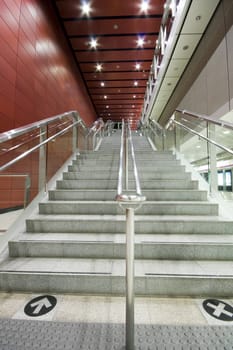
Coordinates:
60 148
13 179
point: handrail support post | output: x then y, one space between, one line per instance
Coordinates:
129 279
42 159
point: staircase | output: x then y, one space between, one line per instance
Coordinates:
76 242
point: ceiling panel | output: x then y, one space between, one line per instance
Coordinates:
103 8
111 26
114 42
116 27
120 66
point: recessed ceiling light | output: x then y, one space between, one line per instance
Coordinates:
140 41
137 66
105 97
144 6
102 83
134 96
115 26
107 107
86 8
93 43
226 132
135 83
99 67
118 66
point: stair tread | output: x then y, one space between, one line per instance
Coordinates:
147 202
116 267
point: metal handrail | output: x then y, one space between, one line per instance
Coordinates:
121 195
130 202
96 128
206 118
203 137
8 135
26 153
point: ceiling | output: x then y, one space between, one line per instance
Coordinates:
115 27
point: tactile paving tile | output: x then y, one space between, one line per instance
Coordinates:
42 335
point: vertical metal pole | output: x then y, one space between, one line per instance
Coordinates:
126 160
42 159
27 190
129 279
212 159
74 134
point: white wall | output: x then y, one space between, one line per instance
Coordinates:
212 91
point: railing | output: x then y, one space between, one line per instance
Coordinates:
206 143
95 134
37 151
130 201
156 134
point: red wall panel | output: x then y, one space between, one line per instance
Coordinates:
38 76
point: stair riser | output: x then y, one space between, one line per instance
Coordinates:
117 251
108 226
112 184
150 195
113 209
109 285
139 157
142 162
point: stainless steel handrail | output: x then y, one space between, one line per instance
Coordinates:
8 135
203 137
130 202
121 194
23 155
206 118
96 128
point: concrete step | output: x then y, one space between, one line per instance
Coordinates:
153 277
112 184
112 208
150 224
138 155
115 166
112 246
139 162
109 174
159 195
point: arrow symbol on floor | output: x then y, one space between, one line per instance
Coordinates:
40 304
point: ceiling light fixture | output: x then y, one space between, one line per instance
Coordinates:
102 83
135 83
144 6
93 43
99 67
86 8
105 97
138 66
134 96
140 41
